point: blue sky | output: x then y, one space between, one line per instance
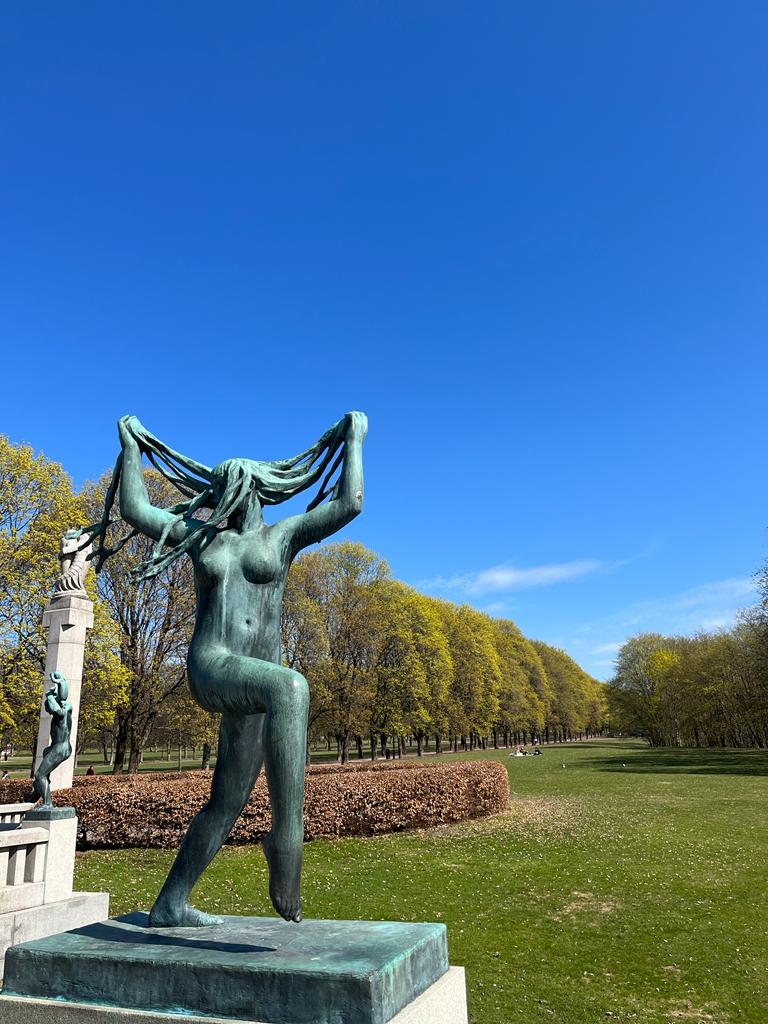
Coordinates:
529 240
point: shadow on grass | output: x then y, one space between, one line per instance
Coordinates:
712 761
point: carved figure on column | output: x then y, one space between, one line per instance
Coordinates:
234 662
74 560
58 705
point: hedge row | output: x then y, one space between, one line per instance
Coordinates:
154 809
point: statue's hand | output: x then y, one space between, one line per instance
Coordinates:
128 427
357 424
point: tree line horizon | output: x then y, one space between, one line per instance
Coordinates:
384 661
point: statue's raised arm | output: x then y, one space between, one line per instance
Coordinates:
346 501
135 506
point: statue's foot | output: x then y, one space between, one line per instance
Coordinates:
285 877
163 916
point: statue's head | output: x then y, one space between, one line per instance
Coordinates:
60 682
234 487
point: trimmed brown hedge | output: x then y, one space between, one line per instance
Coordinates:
153 809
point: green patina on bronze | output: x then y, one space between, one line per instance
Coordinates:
248 968
59 707
234 660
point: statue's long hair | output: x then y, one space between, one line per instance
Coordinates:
224 489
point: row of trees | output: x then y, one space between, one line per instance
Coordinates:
383 661
707 690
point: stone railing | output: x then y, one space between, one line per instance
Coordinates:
11 814
22 867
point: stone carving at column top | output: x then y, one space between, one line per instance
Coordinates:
75 563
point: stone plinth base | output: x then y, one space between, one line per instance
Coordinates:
245 969
49 813
60 826
445 1002
80 909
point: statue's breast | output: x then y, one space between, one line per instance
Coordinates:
255 557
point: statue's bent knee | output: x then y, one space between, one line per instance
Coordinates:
299 689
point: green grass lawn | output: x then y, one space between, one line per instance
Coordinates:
629 885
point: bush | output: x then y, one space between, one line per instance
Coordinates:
154 809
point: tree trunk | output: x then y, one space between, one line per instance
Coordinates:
359 741
373 746
344 749
206 763
134 755
121 748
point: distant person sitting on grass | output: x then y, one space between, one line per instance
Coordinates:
6 775
90 770
537 752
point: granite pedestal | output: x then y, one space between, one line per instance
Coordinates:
247 969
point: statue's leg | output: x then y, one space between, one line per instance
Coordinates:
238 763
251 685
41 787
285 748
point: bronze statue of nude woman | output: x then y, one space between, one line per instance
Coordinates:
234 660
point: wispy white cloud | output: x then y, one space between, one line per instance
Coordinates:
505 578
709 606
609 648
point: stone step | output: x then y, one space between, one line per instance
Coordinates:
23 925
21 897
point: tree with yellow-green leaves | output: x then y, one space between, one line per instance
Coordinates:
578 703
710 689
344 580
37 505
525 696
413 669
153 620
473 705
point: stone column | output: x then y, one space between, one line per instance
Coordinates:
68 616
